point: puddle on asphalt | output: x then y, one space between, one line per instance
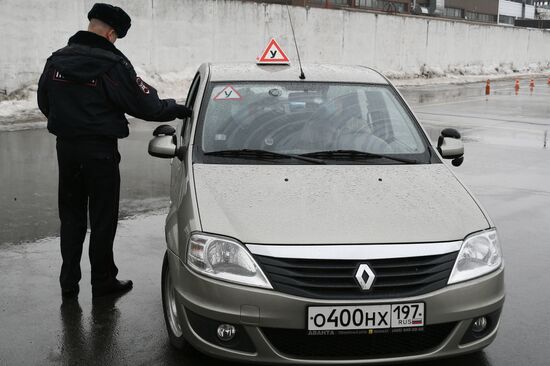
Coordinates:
429 94
28 198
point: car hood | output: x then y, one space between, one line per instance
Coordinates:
335 204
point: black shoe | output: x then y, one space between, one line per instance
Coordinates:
115 287
70 292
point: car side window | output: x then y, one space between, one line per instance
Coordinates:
189 102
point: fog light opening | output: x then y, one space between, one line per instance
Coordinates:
226 332
480 324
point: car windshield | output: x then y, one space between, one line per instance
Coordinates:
331 121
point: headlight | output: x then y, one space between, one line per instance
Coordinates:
224 259
480 254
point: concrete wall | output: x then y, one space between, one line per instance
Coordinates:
178 35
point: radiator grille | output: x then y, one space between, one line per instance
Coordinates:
335 279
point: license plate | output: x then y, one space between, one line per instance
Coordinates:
366 316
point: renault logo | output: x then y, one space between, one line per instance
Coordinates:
364 276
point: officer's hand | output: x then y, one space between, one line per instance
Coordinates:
183 112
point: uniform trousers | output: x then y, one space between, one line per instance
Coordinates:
89 183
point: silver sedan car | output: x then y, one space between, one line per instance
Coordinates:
312 221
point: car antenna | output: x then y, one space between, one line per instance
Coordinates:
302 75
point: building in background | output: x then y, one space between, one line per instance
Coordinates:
487 11
394 6
542 10
474 10
490 11
510 10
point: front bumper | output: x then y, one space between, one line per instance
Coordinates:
254 309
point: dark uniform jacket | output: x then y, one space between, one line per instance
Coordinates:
88 86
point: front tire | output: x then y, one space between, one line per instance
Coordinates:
172 317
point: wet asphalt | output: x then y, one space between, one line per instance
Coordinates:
507 163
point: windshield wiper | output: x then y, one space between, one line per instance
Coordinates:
256 153
356 154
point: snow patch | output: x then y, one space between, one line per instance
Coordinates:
169 85
19 110
20 101
462 74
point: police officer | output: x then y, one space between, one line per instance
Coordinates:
85 90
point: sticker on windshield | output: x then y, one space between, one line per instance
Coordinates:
275 92
228 93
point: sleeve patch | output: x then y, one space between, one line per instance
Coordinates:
144 88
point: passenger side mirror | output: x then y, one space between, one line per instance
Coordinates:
450 146
164 144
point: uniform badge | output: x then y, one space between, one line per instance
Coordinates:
144 88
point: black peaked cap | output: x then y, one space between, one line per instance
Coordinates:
113 16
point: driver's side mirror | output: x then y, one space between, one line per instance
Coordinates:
164 142
450 146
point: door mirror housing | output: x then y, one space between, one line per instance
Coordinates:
165 130
451 132
450 146
164 142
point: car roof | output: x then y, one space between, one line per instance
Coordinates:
313 72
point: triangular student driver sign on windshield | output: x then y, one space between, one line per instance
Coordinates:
273 54
228 93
